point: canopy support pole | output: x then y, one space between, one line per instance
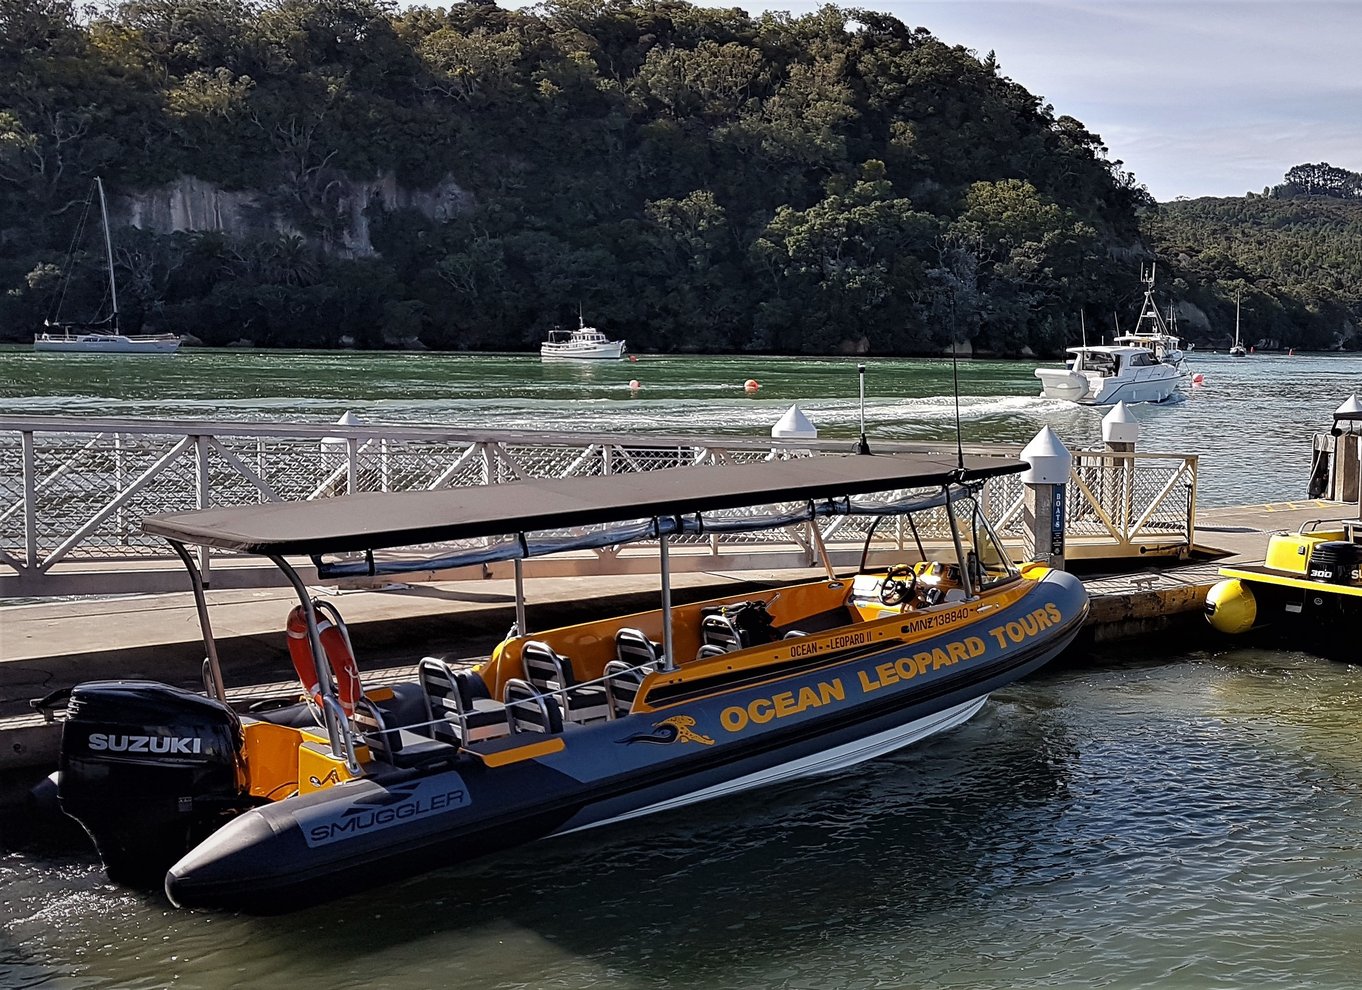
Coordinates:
521 628
816 535
668 660
201 605
337 727
966 584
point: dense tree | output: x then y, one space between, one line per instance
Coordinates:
695 178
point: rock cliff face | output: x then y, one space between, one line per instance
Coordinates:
191 204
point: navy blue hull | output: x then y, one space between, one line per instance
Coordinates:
863 700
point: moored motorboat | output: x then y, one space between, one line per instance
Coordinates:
1309 584
560 729
1153 332
583 344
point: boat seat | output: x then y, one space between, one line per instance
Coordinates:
529 710
710 650
458 704
720 630
398 746
622 682
551 673
636 649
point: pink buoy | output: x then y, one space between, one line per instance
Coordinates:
751 385
1198 379
634 386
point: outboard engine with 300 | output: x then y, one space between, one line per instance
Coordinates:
149 771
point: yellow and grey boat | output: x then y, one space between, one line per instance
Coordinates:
560 729
1308 586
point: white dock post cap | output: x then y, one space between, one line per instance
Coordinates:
348 418
794 425
1350 407
1050 460
1118 426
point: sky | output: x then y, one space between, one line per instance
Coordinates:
1198 98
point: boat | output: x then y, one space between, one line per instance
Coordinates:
557 730
102 336
1104 374
1309 585
583 344
1153 332
1237 349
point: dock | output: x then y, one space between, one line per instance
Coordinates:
52 645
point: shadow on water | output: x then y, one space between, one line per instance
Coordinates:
731 887
718 891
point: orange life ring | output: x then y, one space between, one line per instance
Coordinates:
338 655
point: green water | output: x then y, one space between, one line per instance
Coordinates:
1249 420
1191 819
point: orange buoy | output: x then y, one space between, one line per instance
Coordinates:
1198 379
634 358
336 644
751 385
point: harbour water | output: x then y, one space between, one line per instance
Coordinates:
1267 404
1180 818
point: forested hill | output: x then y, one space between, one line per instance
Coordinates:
1294 254
695 179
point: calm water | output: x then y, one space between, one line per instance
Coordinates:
1250 420
1187 820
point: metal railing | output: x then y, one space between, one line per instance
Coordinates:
73 490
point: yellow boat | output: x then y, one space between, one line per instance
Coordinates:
558 729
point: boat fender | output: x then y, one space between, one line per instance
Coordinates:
1231 607
338 655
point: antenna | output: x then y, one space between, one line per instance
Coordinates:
862 447
1083 326
955 378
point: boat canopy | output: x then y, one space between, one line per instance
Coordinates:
375 521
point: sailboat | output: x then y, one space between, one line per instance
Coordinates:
1237 349
102 336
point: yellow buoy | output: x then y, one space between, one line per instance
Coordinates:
1231 607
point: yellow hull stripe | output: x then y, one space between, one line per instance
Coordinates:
1282 581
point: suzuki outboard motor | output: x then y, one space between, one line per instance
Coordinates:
149 771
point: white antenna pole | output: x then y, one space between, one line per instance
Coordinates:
1083 327
108 251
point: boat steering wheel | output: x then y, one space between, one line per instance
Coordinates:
900 581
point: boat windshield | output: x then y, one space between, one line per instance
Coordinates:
1099 361
942 531
988 559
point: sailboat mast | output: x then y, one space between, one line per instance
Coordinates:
1236 317
108 251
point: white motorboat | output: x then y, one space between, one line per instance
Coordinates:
1102 375
101 337
1153 332
584 343
1237 349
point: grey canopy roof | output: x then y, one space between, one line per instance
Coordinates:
381 520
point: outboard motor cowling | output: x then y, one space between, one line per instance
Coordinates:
149 770
1337 562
